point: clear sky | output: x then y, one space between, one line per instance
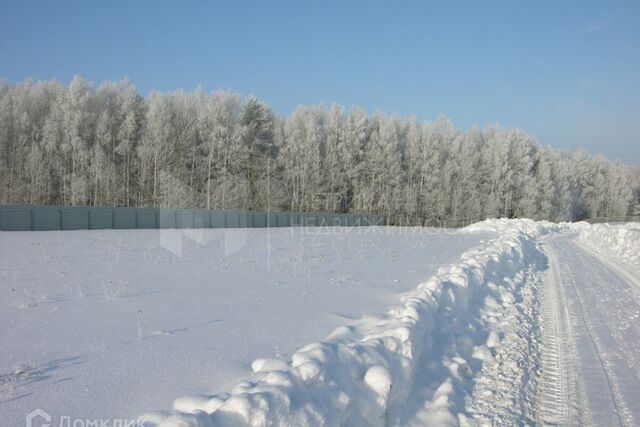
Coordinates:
567 72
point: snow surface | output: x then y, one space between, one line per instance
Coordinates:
115 323
506 322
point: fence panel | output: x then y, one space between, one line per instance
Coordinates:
45 220
147 218
124 219
217 219
245 219
201 219
282 220
41 218
232 220
259 219
184 219
16 220
100 219
75 219
167 218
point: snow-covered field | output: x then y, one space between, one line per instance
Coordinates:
107 324
505 322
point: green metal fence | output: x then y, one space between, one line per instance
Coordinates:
41 218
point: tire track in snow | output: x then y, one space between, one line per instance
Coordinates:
559 389
601 307
606 312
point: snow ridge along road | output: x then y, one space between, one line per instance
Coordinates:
621 241
475 322
598 338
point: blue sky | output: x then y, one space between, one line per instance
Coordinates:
567 72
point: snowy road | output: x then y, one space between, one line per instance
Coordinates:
591 338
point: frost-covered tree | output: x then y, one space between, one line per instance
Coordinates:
466 203
7 135
157 152
131 126
301 157
335 181
259 152
78 145
76 140
381 175
223 151
412 161
355 140
542 188
635 206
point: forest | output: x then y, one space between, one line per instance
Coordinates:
107 145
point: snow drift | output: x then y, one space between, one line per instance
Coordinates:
441 357
527 226
622 241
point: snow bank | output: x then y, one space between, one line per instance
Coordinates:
528 226
621 241
415 365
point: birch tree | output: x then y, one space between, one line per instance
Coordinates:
77 145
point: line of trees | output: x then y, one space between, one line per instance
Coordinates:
110 146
